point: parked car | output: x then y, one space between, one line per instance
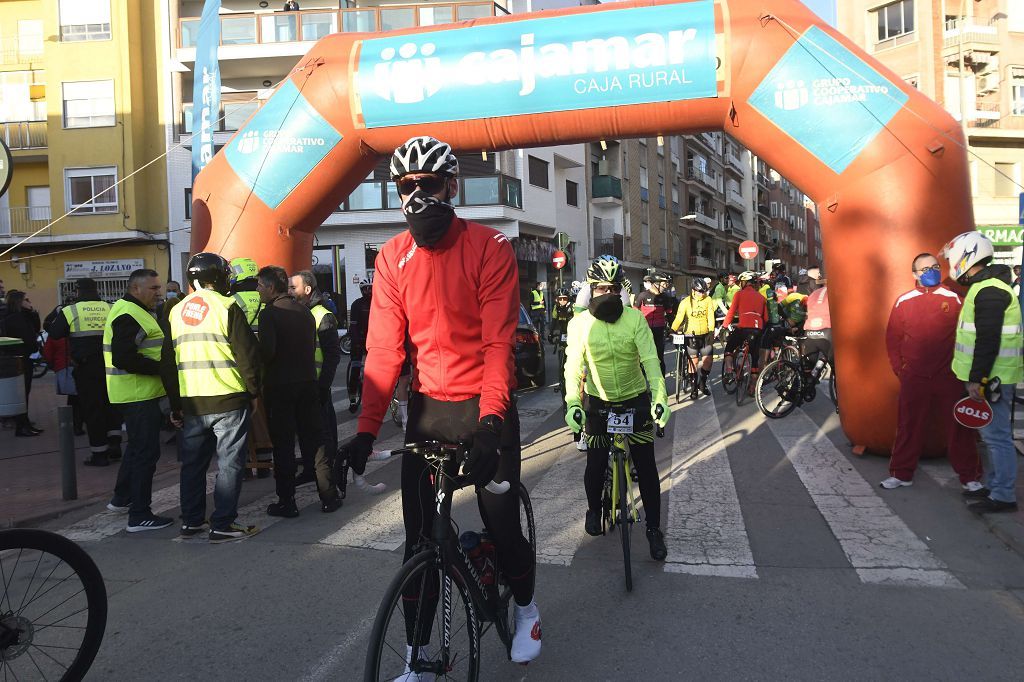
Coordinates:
529 353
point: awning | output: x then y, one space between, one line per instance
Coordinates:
734 220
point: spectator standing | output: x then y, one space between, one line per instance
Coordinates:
537 307
210 369
291 6
989 344
22 322
132 342
919 338
287 338
358 324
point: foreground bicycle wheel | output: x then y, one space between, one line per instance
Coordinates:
53 610
778 388
420 617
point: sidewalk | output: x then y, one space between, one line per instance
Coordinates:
30 474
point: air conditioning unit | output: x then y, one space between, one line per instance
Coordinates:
988 83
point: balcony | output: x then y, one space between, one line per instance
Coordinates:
24 220
701 262
16 51
762 180
735 198
612 246
24 134
488 190
706 220
734 162
263 28
606 189
693 173
973 34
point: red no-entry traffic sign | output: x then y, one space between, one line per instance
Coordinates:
748 250
558 259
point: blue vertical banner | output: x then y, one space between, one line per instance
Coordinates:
205 87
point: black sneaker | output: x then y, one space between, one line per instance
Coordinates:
232 532
592 523
656 539
283 508
990 506
331 505
151 522
192 530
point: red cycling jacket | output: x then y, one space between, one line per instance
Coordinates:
749 308
922 331
459 301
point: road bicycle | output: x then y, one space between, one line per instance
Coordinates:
53 610
784 385
445 637
618 501
737 381
560 345
686 371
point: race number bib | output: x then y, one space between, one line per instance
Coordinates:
565 337
679 339
620 422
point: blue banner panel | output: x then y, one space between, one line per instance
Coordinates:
582 61
206 87
827 99
281 145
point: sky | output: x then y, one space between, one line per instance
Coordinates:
826 9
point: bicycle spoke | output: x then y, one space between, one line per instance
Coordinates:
38 596
31 658
47 655
54 623
8 582
32 579
61 604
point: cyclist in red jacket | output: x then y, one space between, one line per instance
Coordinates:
453 286
750 311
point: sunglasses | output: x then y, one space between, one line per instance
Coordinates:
431 184
936 267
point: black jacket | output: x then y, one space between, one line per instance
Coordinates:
359 320
247 358
330 344
989 309
123 349
23 325
287 343
83 349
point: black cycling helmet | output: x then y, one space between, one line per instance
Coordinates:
562 293
605 270
209 269
723 275
699 285
424 154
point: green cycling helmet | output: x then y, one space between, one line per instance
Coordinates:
605 270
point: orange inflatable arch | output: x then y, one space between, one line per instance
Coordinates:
885 164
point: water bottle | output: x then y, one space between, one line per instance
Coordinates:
488 558
818 366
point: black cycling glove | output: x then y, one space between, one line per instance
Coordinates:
482 462
358 450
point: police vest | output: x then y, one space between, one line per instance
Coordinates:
202 351
319 312
249 302
122 386
538 300
86 318
1009 364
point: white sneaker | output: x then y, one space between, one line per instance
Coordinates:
526 641
892 483
408 675
972 486
581 445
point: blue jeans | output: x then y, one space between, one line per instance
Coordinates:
1002 455
135 475
225 434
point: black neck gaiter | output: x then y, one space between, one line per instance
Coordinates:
428 217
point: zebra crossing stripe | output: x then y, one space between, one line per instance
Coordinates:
705 532
880 546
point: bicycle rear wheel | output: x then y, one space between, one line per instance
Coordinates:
419 619
625 519
833 393
729 378
743 375
53 610
778 388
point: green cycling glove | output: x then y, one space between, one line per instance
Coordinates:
575 417
660 412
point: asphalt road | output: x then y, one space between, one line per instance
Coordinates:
785 561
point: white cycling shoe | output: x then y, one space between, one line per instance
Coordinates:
408 675
526 641
581 445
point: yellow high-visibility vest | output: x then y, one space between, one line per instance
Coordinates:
122 386
202 351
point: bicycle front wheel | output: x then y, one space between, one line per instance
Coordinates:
743 376
625 518
778 388
53 610
410 615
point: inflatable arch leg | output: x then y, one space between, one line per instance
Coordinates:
885 164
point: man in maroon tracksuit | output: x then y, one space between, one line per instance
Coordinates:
919 338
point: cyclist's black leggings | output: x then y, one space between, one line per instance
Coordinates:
354 377
753 337
453 422
641 449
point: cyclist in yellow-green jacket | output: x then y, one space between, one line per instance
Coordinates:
615 346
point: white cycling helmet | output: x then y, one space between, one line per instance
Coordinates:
424 154
966 250
365 283
747 276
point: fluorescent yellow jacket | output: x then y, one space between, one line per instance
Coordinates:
699 315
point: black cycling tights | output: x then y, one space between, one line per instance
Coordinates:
452 422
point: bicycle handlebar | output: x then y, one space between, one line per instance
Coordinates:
457 453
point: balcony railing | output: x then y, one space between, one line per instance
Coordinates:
701 262
734 161
606 186
24 134
488 190
972 33
706 179
706 219
260 28
762 179
736 198
17 51
612 246
23 220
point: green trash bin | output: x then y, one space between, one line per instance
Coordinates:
12 377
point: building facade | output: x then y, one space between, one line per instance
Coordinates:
967 55
81 83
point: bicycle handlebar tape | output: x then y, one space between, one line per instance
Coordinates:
886 164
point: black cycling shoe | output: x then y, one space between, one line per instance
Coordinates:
353 407
656 539
592 523
284 508
331 505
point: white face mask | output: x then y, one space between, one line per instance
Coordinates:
171 295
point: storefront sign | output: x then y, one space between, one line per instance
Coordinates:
99 269
1003 235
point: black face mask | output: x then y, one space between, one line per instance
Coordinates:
428 217
606 307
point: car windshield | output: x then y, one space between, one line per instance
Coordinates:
524 318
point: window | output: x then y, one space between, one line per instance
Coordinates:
188 203
1005 179
317 26
775 209
1017 90
370 252
367 195
572 193
237 113
644 179
538 172
895 20
88 104
84 20
81 184
16 97
30 36
645 239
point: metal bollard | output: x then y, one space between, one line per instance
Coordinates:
66 434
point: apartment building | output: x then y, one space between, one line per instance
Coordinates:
537 197
787 223
80 86
968 55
